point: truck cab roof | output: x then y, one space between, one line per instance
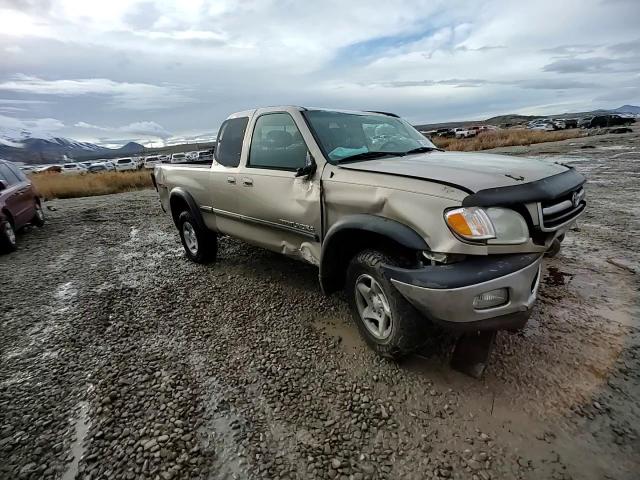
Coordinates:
296 108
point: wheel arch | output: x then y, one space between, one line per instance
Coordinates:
354 233
181 200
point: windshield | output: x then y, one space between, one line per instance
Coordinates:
343 135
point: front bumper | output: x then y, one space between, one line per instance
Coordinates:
445 293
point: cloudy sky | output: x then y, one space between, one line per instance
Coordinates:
160 71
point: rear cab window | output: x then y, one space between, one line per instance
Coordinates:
230 138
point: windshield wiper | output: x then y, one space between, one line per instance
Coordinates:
368 156
422 150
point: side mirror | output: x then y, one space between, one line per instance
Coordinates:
309 169
3 185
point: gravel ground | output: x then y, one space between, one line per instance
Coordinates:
121 359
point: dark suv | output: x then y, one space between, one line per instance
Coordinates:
19 205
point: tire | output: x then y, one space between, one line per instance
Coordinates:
407 328
38 218
7 237
200 245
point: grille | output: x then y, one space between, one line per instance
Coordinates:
554 214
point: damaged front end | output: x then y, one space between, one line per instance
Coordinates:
494 292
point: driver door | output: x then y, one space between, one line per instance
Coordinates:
281 210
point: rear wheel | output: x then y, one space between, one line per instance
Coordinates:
200 245
38 217
7 236
389 324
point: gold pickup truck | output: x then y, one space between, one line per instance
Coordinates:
412 234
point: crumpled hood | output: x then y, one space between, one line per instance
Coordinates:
473 171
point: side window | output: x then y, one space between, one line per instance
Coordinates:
17 172
277 143
8 175
229 141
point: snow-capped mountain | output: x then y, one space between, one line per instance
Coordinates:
21 147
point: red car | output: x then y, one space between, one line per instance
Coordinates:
19 204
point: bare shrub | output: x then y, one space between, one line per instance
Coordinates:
504 138
56 185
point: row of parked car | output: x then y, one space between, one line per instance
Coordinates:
459 132
121 164
595 121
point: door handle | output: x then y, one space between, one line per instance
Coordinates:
231 180
247 182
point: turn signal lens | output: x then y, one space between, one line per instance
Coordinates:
471 223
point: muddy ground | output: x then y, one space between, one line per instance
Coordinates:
121 359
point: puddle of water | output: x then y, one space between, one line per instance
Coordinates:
222 431
20 377
565 158
343 330
65 291
616 147
556 277
77 447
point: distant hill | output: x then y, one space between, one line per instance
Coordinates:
39 150
513 119
628 109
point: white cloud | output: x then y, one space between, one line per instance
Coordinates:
16 129
186 65
13 49
18 101
143 128
123 94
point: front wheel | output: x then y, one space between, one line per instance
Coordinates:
7 237
200 245
389 324
38 217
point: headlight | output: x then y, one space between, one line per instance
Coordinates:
471 223
511 228
493 225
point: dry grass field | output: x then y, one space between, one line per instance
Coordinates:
504 138
56 185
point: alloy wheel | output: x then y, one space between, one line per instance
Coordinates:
373 307
190 238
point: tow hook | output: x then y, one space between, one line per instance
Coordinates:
471 353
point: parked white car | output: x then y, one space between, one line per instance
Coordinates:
73 168
547 127
178 158
464 132
191 156
150 162
108 165
124 164
164 158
